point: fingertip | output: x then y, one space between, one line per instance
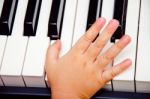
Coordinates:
55 43
54 50
58 41
58 44
101 20
126 39
114 21
128 62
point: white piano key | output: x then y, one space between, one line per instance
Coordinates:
1 6
99 8
68 25
34 70
143 62
107 13
125 81
15 50
2 41
52 42
81 19
107 10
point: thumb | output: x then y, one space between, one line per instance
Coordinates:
54 50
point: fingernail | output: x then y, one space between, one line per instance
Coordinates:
128 62
101 20
126 39
114 22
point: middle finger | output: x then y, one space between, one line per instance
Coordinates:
96 47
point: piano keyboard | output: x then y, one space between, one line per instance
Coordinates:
27 27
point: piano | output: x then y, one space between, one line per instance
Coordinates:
27 27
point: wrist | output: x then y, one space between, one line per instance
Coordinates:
65 92
63 95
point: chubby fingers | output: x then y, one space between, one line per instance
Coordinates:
84 42
110 73
104 59
96 47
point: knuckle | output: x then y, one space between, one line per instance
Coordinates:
87 37
99 45
120 69
96 27
119 46
105 79
113 73
108 58
102 80
99 60
113 50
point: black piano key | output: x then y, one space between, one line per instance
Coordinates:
53 31
1 6
7 16
61 17
120 11
31 17
92 14
100 8
56 19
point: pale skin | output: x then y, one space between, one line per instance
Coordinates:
81 72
